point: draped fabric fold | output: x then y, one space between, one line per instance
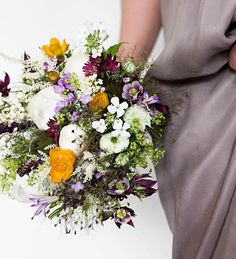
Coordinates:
197 178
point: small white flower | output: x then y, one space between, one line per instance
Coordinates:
96 53
117 107
138 114
99 126
111 144
120 128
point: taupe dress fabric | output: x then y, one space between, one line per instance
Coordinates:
197 178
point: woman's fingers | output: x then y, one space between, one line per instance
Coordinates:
232 57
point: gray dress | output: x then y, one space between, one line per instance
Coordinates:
197 178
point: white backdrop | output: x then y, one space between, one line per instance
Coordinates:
25 25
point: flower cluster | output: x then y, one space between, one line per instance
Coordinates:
73 140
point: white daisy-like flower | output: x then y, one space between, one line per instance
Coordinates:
99 126
120 128
137 114
111 144
117 107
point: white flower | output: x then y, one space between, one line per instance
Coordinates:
117 107
96 53
100 125
76 62
112 144
22 191
120 128
42 107
72 137
137 114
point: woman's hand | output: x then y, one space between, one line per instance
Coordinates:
232 57
141 23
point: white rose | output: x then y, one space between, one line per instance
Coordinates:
42 107
76 62
72 137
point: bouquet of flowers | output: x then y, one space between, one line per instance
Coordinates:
77 130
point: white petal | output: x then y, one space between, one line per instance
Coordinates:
115 133
126 126
95 124
124 105
117 124
112 109
115 101
120 112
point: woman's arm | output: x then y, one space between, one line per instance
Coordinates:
141 23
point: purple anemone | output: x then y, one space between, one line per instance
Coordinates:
132 90
118 187
144 100
123 215
4 90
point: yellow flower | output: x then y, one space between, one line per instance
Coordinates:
62 163
99 102
55 48
53 76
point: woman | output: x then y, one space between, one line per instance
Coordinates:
197 178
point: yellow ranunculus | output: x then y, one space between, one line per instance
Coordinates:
99 102
62 163
55 48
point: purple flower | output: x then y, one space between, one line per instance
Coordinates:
118 187
60 105
53 130
63 85
42 202
144 100
75 116
78 186
123 215
4 90
85 99
110 64
126 80
45 66
14 126
70 98
142 186
59 88
28 167
132 90
161 108
92 66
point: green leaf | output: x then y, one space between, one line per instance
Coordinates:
114 49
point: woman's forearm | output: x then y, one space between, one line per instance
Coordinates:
141 23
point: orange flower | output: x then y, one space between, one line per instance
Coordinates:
55 48
99 102
62 163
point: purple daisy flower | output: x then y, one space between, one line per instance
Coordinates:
132 90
